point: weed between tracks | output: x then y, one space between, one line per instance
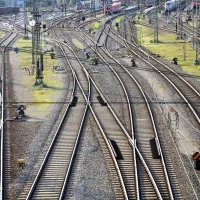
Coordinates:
96 26
2 34
168 47
118 21
52 81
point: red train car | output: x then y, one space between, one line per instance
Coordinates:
112 7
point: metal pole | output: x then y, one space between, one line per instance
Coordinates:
2 127
184 54
25 22
33 41
193 33
156 22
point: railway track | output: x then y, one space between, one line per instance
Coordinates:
40 189
124 170
187 92
144 145
5 176
193 171
170 168
154 188
100 116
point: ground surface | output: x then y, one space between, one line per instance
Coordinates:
29 139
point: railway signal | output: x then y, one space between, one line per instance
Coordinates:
156 22
83 19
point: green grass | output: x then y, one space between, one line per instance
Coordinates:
52 81
140 18
191 24
168 47
96 26
2 34
118 20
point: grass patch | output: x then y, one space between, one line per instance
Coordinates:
168 47
191 23
53 82
78 43
96 26
139 18
2 34
118 20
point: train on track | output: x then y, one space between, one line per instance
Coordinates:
112 6
173 4
9 10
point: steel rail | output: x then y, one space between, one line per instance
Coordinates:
101 129
130 114
130 139
168 182
52 144
3 88
136 46
56 135
158 146
158 71
152 120
157 139
94 115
